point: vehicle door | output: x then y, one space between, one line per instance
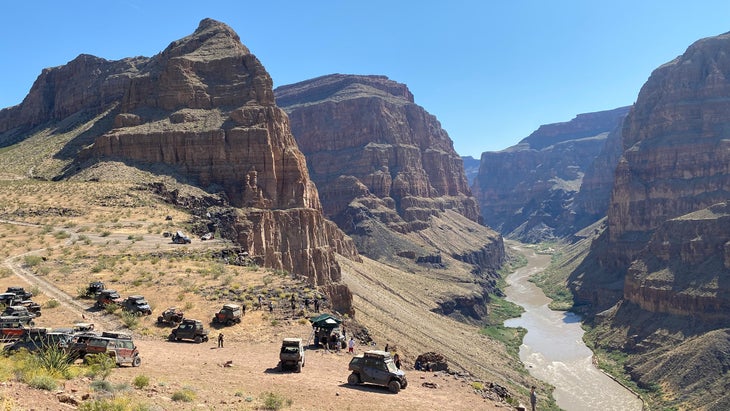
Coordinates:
374 371
125 351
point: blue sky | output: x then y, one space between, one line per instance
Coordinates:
490 71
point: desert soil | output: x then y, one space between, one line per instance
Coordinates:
252 350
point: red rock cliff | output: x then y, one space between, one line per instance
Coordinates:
204 107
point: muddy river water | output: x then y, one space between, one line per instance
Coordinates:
553 349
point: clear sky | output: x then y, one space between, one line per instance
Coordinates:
491 71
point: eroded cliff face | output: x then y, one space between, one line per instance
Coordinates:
667 240
203 108
388 175
531 191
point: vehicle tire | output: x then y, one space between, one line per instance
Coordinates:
136 361
159 320
171 337
299 367
139 313
394 386
205 339
353 379
198 339
229 322
404 385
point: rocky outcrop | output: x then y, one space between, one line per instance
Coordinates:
528 191
364 137
471 168
86 86
684 267
667 240
388 175
204 111
376 156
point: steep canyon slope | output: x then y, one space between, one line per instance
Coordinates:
203 112
388 175
532 191
659 276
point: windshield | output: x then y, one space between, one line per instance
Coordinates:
391 366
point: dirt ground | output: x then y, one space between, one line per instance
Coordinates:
175 366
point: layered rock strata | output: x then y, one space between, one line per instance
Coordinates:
529 191
205 109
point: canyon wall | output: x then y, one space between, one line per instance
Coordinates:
531 191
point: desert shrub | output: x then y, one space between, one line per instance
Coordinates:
53 303
61 235
111 308
129 320
101 385
52 359
477 386
43 382
141 381
32 260
99 365
274 401
184 395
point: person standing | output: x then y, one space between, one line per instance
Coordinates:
220 340
533 398
351 346
271 306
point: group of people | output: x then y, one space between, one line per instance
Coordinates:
292 302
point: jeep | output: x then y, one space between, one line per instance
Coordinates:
7 299
191 330
32 306
136 304
172 315
39 339
108 297
180 238
94 288
20 293
19 313
376 367
10 329
229 314
119 346
291 354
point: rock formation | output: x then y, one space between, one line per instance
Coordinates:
529 191
659 274
364 137
471 168
205 109
388 175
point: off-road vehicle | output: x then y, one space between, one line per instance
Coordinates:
228 315
291 354
10 329
189 329
119 346
20 292
172 315
377 367
136 304
94 288
180 238
32 306
7 299
35 339
107 297
19 313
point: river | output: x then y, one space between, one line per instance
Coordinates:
553 350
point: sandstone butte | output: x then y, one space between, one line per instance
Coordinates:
204 107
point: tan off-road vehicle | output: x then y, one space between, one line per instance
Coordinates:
377 367
291 354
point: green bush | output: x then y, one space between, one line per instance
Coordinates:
274 401
141 381
130 320
32 260
184 395
99 365
53 303
43 382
